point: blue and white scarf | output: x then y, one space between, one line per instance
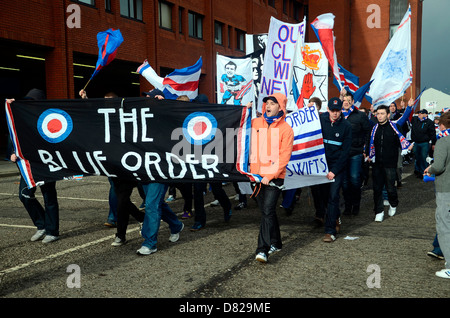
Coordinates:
347 112
271 119
403 142
443 133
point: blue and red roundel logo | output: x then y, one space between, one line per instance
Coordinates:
54 125
199 128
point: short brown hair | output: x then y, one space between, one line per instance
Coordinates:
445 120
184 98
317 101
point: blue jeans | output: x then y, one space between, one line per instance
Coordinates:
421 153
352 182
44 219
156 209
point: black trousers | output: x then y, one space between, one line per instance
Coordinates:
125 207
384 177
199 204
269 229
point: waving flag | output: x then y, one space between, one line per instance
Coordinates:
108 43
323 28
393 73
180 82
416 102
359 95
348 80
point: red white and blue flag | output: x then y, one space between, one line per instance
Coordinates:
180 82
108 42
323 28
348 80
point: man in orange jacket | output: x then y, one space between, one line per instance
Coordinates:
271 148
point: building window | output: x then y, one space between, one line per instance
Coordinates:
240 40
195 25
218 27
108 5
89 2
229 36
272 3
131 9
397 11
165 15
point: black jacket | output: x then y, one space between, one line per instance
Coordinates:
337 139
422 131
387 145
361 128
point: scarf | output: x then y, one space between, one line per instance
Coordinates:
271 119
443 134
403 142
346 113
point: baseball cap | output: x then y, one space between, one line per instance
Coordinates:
153 93
423 111
335 104
272 98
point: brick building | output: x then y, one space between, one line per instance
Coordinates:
52 44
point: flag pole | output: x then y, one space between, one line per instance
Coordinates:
86 85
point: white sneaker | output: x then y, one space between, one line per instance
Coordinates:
144 250
443 273
50 238
38 235
215 203
118 242
174 237
379 217
392 210
261 257
273 249
386 202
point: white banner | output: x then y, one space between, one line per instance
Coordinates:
278 58
308 165
309 75
234 80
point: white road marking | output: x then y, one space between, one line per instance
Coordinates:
52 256
20 226
59 197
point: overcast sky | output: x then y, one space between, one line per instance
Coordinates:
436 45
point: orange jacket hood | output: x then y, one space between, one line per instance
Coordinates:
282 101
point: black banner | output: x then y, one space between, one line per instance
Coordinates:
133 138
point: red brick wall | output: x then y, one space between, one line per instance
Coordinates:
42 22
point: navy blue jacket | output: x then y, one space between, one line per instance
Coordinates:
337 139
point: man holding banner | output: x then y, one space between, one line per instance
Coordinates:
271 147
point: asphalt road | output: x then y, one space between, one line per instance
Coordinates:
368 260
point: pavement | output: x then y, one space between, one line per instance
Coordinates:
217 265
8 169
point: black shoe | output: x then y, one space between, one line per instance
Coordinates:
289 210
